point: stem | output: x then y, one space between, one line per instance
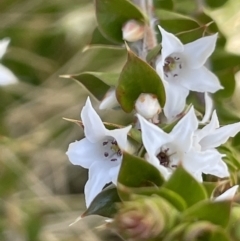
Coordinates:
149 40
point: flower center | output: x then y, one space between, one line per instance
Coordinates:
166 158
172 66
111 150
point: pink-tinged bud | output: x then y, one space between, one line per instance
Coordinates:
144 218
133 31
147 105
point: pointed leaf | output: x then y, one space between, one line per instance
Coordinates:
104 203
113 14
138 77
136 172
186 186
215 212
95 82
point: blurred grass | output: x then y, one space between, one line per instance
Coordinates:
40 191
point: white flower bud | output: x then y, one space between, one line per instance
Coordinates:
132 31
147 105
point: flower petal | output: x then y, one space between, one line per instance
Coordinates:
220 136
109 101
208 108
200 80
113 172
218 168
170 44
197 52
228 195
6 76
183 131
93 127
98 178
153 137
84 153
175 100
209 128
120 135
3 46
199 161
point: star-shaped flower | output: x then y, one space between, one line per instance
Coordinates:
212 136
181 68
6 76
100 151
167 150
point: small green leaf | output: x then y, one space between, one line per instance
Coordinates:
215 212
95 82
186 186
113 14
138 77
104 203
153 53
136 172
167 194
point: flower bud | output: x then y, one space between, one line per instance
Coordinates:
144 218
147 105
132 31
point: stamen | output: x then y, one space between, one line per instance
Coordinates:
113 160
106 154
180 66
175 75
105 143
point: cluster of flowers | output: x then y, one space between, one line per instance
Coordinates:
181 68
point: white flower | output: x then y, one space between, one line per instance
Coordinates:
181 68
167 151
109 101
228 195
212 136
6 75
147 105
100 152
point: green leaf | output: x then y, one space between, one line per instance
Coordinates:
104 203
167 194
101 58
137 172
99 39
113 14
209 187
214 3
138 77
163 4
186 186
215 212
185 27
95 82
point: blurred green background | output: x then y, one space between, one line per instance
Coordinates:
40 191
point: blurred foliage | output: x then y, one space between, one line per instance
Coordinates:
40 191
